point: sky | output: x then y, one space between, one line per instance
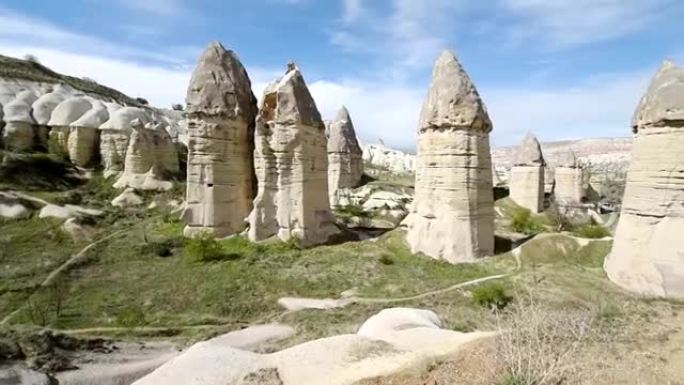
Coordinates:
563 69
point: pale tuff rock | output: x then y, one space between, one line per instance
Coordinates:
389 159
114 134
42 110
151 159
527 175
569 180
402 339
128 198
291 166
647 253
18 133
66 112
452 217
67 211
345 163
221 110
84 136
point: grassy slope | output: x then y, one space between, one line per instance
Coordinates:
13 68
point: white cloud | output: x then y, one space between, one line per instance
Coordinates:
156 7
352 10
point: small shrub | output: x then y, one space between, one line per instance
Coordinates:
203 247
163 248
386 259
492 296
593 232
294 243
130 317
522 222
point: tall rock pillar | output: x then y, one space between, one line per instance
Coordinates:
648 250
568 180
221 109
291 165
452 217
345 158
527 175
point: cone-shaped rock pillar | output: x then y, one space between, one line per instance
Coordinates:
527 175
568 180
648 250
452 217
221 110
345 157
291 165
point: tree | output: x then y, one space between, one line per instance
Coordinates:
177 107
142 101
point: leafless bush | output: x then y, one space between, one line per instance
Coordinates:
539 346
46 304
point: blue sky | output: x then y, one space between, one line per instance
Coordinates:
561 68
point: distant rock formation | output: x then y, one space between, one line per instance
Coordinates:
345 163
114 135
221 112
18 133
527 175
66 113
647 255
569 180
42 111
389 159
453 212
291 166
84 135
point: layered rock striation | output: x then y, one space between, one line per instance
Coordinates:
648 250
221 113
527 175
453 212
345 158
291 165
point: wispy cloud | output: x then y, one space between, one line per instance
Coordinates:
157 7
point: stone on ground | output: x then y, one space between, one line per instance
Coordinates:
527 175
291 165
345 158
647 255
128 198
452 217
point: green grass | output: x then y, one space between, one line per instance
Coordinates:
592 231
37 172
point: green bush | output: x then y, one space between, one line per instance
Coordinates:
492 296
522 222
386 259
162 248
593 231
203 247
130 317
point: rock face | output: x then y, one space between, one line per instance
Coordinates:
345 163
42 111
114 135
66 113
221 112
389 159
527 175
291 165
18 133
84 136
453 212
647 255
569 180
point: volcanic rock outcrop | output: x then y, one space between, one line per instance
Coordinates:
42 110
114 135
648 250
291 166
345 162
18 132
568 180
527 175
453 212
84 135
66 113
221 111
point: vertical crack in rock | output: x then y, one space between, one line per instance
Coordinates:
291 166
221 112
452 217
648 250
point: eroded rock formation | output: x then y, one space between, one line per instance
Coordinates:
66 113
345 163
527 175
453 212
568 180
18 133
221 111
84 136
291 166
647 255
42 110
114 135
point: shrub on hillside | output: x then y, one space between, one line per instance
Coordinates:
203 247
593 231
522 222
492 296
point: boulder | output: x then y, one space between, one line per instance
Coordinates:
452 217
66 113
345 158
291 165
114 135
569 180
14 210
128 198
527 175
19 374
19 132
84 136
67 211
221 110
647 256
